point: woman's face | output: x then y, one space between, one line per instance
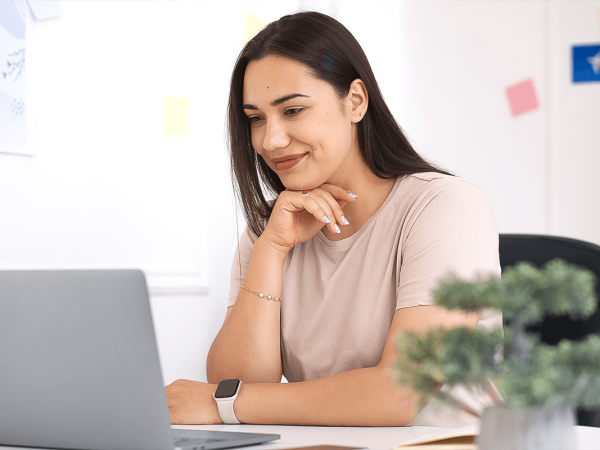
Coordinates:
297 124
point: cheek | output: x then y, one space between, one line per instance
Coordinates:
334 139
255 140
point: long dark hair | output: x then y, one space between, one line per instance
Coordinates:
333 55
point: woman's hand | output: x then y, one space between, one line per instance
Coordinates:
192 403
297 217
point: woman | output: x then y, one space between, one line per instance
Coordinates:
361 230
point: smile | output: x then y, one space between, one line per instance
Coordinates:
291 161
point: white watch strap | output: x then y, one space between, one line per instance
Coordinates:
225 406
226 410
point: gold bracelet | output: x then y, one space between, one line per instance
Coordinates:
261 295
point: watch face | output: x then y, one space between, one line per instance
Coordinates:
227 388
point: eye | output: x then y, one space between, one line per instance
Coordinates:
255 119
293 111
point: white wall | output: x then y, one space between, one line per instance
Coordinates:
574 124
538 169
457 59
106 189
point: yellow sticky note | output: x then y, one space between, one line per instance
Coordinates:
175 116
253 26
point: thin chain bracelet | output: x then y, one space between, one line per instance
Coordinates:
261 295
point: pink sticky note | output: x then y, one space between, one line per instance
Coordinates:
522 97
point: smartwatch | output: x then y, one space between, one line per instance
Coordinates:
226 393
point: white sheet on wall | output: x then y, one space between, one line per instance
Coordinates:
13 137
45 9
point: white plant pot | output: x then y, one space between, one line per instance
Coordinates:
535 428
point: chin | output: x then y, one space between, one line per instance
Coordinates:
299 183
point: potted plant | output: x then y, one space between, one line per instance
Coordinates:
540 384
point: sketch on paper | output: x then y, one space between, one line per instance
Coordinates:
12 77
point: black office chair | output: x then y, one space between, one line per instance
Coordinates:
538 250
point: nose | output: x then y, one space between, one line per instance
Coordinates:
275 135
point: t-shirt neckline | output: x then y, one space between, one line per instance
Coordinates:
346 242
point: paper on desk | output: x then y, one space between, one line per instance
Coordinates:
461 438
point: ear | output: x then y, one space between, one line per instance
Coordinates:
359 100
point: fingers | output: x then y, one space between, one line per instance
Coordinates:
337 214
320 208
339 193
342 197
326 203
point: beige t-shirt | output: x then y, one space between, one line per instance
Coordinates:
340 296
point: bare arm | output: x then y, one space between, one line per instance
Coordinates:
362 397
248 345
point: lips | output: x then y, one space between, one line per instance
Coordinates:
287 162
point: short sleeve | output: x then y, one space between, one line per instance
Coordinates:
450 229
241 261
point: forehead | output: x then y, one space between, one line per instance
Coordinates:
275 76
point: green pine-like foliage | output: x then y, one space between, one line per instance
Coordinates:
526 371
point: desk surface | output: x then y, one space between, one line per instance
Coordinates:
374 438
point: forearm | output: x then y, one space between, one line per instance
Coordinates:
248 345
362 397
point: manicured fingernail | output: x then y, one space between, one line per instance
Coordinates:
337 229
352 195
326 219
345 221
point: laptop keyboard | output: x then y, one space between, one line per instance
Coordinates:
190 442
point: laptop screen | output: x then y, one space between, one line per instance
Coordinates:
80 365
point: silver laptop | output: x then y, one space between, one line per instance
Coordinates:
79 366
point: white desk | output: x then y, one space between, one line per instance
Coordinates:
379 438
370 437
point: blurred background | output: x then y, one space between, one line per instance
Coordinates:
123 161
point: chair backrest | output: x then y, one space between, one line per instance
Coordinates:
538 250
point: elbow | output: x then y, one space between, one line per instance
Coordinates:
212 377
400 414
399 404
224 363
405 418
216 377
248 373
212 369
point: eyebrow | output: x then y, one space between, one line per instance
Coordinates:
277 102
